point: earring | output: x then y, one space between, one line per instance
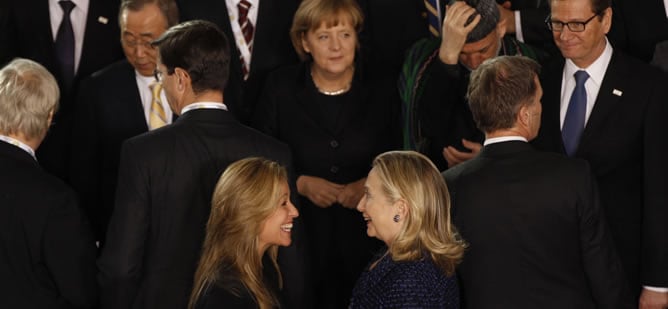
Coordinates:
395 218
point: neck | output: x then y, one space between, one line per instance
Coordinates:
507 132
332 83
204 96
31 142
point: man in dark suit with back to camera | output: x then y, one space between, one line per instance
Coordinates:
167 176
537 236
611 110
118 102
71 46
48 251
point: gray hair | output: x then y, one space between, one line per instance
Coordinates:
28 95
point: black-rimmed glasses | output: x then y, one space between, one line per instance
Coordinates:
573 26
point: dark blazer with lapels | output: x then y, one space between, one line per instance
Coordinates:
536 233
109 111
28 34
625 143
272 47
162 204
48 251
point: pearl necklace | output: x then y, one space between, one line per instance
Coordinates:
335 92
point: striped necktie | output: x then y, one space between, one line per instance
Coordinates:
247 30
433 17
156 116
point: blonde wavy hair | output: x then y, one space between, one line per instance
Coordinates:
411 176
28 95
245 196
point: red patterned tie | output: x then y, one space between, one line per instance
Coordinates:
247 29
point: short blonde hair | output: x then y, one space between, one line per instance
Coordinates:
312 13
411 176
28 95
245 196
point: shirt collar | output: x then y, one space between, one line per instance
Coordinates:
501 139
596 70
17 143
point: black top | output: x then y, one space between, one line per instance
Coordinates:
229 292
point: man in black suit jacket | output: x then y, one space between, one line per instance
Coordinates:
48 251
622 138
638 27
29 31
536 234
114 104
168 175
271 45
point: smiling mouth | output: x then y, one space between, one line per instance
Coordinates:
367 219
286 227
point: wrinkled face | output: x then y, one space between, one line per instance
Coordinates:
475 53
333 48
583 48
276 229
378 211
138 29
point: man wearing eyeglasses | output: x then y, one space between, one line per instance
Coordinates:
117 103
611 110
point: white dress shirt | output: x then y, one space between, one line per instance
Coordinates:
596 73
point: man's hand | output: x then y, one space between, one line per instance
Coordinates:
351 194
653 300
508 16
454 156
321 192
454 31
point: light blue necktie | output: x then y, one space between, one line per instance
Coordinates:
575 115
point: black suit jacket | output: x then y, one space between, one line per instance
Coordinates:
163 203
28 34
272 47
109 111
48 252
638 26
624 142
536 234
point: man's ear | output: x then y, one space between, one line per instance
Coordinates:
501 28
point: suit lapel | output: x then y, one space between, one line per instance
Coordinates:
550 128
608 99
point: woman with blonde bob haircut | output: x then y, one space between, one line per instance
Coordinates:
251 216
407 206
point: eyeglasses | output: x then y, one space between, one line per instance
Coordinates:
134 43
573 26
160 75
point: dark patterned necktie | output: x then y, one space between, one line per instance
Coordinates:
64 45
247 30
575 115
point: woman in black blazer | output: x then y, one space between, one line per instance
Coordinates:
335 123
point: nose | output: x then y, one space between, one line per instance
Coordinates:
360 206
293 210
336 43
565 33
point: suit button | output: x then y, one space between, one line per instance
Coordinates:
334 169
334 144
